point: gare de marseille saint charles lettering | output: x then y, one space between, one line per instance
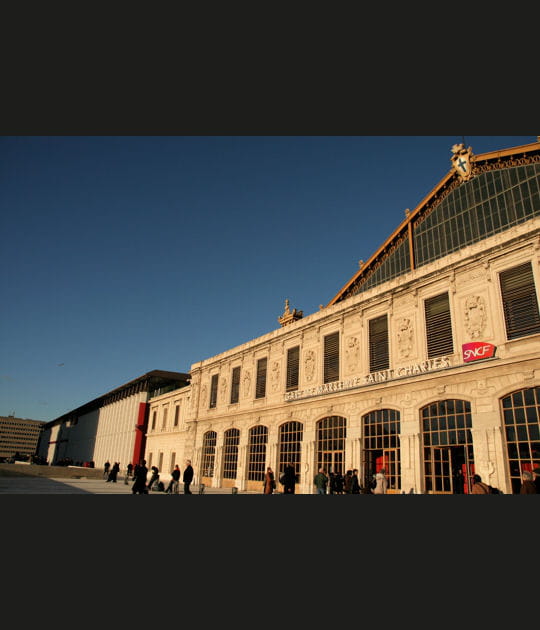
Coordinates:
471 352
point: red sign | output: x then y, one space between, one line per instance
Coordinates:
477 350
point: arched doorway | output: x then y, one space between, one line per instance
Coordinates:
208 457
381 429
521 416
290 447
448 448
256 465
230 457
331 434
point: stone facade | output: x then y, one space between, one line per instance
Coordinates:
471 278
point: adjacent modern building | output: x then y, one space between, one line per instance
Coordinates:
425 363
19 437
111 427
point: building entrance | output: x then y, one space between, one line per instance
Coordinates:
381 447
332 462
448 451
449 470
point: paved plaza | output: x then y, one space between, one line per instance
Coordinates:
50 485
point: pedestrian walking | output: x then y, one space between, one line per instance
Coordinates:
154 479
347 484
382 482
140 474
114 472
321 481
355 483
172 488
187 477
269 484
479 487
536 473
527 486
288 478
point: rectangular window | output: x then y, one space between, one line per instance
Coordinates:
176 414
154 415
213 390
520 305
331 358
438 326
173 460
235 385
164 423
379 356
260 387
293 367
160 461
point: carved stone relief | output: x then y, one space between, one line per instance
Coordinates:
274 376
309 364
247 384
195 389
352 352
405 337
223 388
475 316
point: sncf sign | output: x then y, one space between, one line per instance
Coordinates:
477 350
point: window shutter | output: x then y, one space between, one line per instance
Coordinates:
438 326
520 305
293 365
260 390
379 358
235 386
213 391
331 358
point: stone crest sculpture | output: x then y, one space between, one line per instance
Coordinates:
475 316
405 337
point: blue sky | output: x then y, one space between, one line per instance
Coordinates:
121 255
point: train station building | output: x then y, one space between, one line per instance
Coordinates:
425 363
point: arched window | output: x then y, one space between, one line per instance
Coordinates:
448 449
331 434
230 453
381 429
290 446
521 415
257 441
208 454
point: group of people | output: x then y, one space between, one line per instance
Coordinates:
111 473
332 483
530 484
141 485
336 483
287 480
